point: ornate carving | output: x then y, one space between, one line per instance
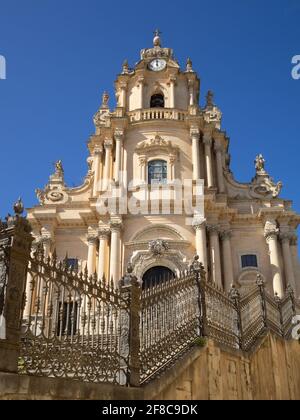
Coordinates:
158 143
213 229
158 247
225 235
271 231
199 223
59 170
286 237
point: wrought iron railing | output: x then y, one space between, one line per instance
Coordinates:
71 325
77 327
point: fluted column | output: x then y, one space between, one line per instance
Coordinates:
119 145
191 92
207 140
287 259
108 144
215 255
91 259
115 251
201 243
103 235
97 169
195 136
220 172
227 259
271 235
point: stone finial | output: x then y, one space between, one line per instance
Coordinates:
210 99
105 99
19 207
189 65
157 40
125 67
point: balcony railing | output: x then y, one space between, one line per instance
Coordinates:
157 114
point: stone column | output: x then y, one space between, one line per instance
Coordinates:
207 140
97 165
200 229
271 235
104 235
227 259
220 172
115 251
191 92
119 145
172 92
47 240
215 255
287 259
195 136
91 259
108 144
123 93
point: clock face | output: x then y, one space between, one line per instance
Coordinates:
157 65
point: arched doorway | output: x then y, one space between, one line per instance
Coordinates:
157 101
157 275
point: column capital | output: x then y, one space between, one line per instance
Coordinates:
199 223
116 225
226 234
271 231
172 79
286 237
141 81
104 233
195 132
207 140
98 151
213 229
119 134
108 144
92 239
218 148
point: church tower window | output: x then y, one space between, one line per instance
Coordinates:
157 101
157 172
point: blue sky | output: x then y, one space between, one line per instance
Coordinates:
61 55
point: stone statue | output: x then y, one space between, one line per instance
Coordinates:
59 167
260 163
210 99
105 99
189 65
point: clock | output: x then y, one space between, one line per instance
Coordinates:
157 65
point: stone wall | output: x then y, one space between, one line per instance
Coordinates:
271 372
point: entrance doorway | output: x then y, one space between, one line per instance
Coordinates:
157 275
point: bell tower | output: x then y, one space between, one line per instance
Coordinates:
157 82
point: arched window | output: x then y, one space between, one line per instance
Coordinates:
157 101
157 275
157 172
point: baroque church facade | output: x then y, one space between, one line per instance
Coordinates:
156 138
